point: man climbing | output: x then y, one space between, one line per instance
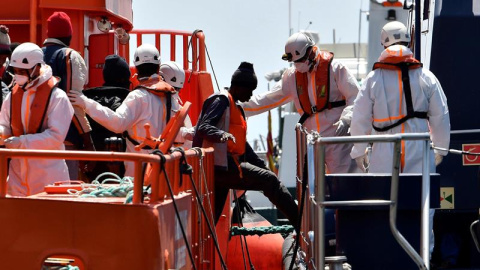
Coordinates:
222 125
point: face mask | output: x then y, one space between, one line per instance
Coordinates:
302 67
21 80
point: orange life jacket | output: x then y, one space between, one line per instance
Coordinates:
238 128
404 64
38 108
160 88
322 87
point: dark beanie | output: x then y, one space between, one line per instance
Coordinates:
245 76
115 69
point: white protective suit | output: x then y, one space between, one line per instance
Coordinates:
138 108
378 103
28 177
342 86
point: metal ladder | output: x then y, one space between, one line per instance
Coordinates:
316 155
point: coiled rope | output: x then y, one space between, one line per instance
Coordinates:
284 229
124 188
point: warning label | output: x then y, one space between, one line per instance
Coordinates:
469 160
447 199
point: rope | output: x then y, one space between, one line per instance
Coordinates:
198 59
101 190
185 168
203 177
68 267
455 151
284 229
244 237
184 234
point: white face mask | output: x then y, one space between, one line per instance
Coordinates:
21 80
302 67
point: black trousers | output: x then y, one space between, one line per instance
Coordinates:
254 178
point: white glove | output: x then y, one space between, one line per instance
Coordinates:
78 99
362 163
438 159
13 142
187 133
342 127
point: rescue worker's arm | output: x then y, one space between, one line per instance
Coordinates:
438 115
187 131
5 129
79 79
116 121
277 96
59 115
206 126
361 119
348 86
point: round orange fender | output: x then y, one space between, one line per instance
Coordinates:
265 250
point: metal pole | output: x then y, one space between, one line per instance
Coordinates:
289 18
425 225
319 209
393 208
418 29
359 34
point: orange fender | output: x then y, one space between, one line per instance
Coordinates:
265 251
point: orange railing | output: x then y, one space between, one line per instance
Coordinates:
201 162
198 61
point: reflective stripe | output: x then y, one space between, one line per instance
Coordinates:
273 105
400 90
27 110
389 118
314 93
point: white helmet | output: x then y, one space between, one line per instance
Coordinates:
296 46
26 56
394 32
145 54
173 74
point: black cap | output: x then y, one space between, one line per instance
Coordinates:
245 76
115 70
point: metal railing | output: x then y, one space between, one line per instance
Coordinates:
316 156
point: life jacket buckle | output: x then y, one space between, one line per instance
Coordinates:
314 109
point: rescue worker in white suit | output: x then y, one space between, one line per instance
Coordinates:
388 105
323 91
150 102
400 96
174 75
35 115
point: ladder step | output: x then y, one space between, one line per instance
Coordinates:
357 203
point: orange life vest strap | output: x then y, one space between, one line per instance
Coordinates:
322 87
238 128
161 89
38 108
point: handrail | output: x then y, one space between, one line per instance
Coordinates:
138 159
198 45
316 145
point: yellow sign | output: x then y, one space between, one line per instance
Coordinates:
447 198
